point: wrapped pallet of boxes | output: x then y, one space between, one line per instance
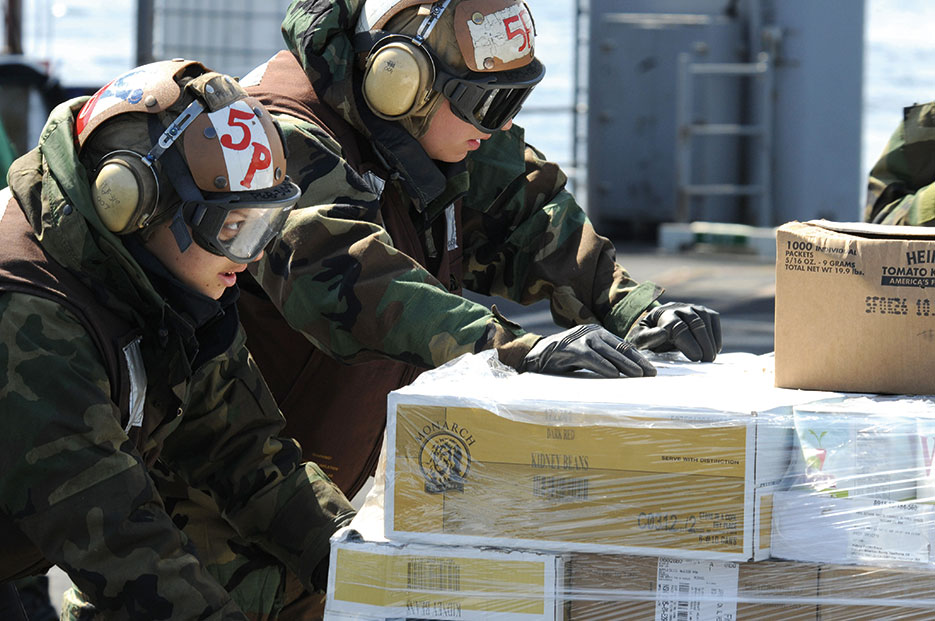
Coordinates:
861 484
683 464
855 307
373 579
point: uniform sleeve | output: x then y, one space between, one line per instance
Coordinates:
901 186
72 481
229 443
337 278
527 239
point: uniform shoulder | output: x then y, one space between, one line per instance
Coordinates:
33 317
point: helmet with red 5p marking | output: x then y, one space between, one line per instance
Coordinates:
173 139
477 54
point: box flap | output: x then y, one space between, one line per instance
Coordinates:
883 231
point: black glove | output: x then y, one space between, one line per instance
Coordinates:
693 330
588 347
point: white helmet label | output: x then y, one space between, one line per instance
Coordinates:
502 37
245 146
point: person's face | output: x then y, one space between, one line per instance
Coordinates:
449 139
202 271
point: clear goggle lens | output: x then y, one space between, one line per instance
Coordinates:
239 226
245 232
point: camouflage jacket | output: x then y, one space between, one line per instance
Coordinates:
74 481
901 188
337 274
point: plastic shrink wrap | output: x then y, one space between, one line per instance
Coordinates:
704 493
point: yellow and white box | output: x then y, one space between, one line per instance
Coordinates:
384 580
682 464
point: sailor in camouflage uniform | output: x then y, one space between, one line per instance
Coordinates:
121 354
901 187
417 185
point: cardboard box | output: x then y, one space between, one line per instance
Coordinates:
682 464
627 588
855 307
874 594
630 588
372 578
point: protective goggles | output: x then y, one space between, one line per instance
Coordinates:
488 101
239 225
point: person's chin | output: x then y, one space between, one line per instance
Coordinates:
452 159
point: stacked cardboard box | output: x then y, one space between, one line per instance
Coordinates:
661 498
630 588
634 588
682 464
373 578
854 307
863 490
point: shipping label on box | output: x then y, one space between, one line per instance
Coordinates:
386 580
826 529
855 307
682 485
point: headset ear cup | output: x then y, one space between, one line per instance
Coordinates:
125 191
398 78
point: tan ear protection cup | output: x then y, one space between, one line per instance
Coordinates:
398 78
125 191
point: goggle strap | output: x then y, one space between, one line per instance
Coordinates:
183 238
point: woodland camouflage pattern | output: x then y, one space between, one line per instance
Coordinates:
337 277
72 480
901 187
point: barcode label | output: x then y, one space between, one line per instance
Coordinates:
681 613
695 590
433 575
556 487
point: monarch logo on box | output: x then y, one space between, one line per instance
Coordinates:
445 460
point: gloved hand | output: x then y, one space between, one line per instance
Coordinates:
587 347
692 329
